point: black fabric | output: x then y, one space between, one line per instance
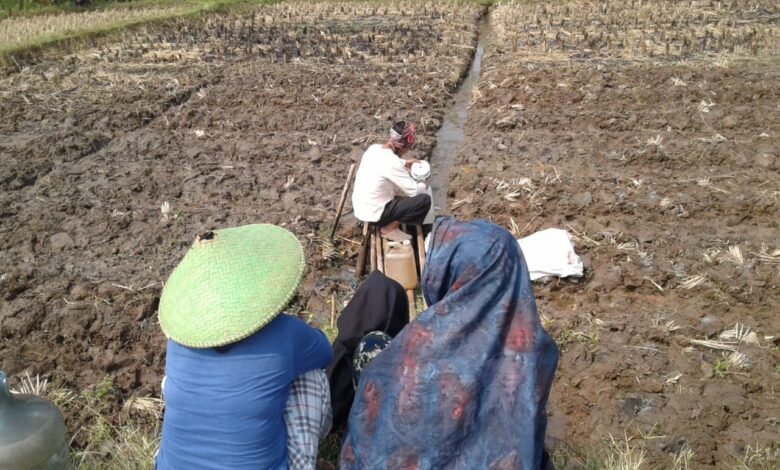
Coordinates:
379 304
407 210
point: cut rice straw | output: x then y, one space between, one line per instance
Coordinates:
741 334
32 386
720 345
729 340
735 256
738 360
767 258
514 229
149 405
692 281
581 235
657 286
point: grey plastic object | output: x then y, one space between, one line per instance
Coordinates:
32 432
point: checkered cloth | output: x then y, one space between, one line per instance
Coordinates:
308 418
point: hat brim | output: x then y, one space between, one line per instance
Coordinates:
230 285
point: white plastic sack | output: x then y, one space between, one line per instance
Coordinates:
550 253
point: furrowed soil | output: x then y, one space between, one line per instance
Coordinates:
114 158
649 130
623 123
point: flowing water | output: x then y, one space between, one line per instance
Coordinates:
450 134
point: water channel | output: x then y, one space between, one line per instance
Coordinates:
450 135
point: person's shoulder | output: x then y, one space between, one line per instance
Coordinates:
279 329
282 325
381 150
294 327
287 321
389 158
284 319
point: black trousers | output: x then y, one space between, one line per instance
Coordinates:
407 210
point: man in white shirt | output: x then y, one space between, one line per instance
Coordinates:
385 193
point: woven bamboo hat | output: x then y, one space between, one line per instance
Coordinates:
230 284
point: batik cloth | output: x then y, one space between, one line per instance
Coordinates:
465 385
369 348
307 417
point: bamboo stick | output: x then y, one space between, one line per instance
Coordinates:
420 248
380 257
343 199
373 250
332 310
421 259
412 304
363 253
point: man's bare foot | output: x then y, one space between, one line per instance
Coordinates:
395 235
389 228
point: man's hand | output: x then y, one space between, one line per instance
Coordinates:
410 162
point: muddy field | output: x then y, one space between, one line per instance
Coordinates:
113 158
650 131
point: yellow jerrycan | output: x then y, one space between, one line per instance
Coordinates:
400 265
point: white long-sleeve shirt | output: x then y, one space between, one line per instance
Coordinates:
381 176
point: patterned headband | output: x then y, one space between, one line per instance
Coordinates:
404 140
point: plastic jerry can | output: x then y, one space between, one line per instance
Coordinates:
400 265
32 432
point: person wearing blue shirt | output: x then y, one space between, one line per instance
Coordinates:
232 358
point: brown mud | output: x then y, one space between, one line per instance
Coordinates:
114 158
667 175
661 160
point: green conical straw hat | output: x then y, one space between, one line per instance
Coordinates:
230 284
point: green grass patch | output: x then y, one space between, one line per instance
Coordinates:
111 433
51 7
72 28
614 454
329 449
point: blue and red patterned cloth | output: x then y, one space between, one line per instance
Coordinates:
464 386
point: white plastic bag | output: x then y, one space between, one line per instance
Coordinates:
550 253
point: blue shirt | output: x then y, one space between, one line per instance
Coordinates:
225 410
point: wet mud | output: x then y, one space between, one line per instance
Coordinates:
666 173
112 160
664 168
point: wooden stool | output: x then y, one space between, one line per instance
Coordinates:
373 248
420 248
420 258
365 245
378 252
